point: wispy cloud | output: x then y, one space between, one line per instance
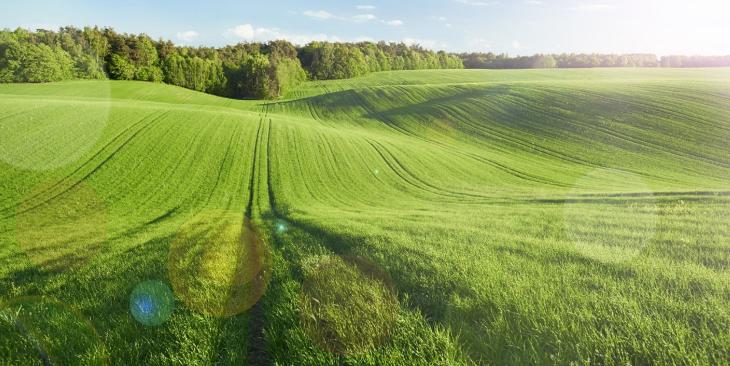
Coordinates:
364 17
394 23
325 15
534 2
365 7
247 32
188 36
319 14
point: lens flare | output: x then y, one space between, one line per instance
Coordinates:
281 226
348 305
152 303
61 226
219 264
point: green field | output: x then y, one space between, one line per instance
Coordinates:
401 218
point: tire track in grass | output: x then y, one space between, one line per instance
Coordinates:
331 164
520 101
455 194
20 112
288 272
98 166
513 138
384 117
404 174
256 342
87 175
394 126
637 140
223 164
83 165
617 134
335 244
194 141
381 117
385 120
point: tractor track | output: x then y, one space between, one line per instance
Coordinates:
257 353
86 175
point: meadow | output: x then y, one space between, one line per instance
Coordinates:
440 217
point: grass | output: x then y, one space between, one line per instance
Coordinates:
347 308
437 217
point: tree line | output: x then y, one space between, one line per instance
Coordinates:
695 61
325 60
246 70
259 70
585 60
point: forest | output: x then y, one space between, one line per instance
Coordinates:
490 60
245 70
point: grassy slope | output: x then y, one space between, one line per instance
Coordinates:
524 216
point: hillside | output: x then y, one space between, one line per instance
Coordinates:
499 217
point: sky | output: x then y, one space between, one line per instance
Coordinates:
517 27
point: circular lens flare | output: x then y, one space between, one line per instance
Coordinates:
281 226
348 305
152 303
61 226
219 264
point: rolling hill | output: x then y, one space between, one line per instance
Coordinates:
424 217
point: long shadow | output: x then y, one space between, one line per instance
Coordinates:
430 301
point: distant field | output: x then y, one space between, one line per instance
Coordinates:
427 217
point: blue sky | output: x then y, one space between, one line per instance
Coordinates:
514 27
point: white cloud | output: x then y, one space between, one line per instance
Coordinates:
395 23
188 36
591 7
365 7
325 15
319 14
448 25
247 32
244 31
516 45
477 2
426 43
364 17
534 2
